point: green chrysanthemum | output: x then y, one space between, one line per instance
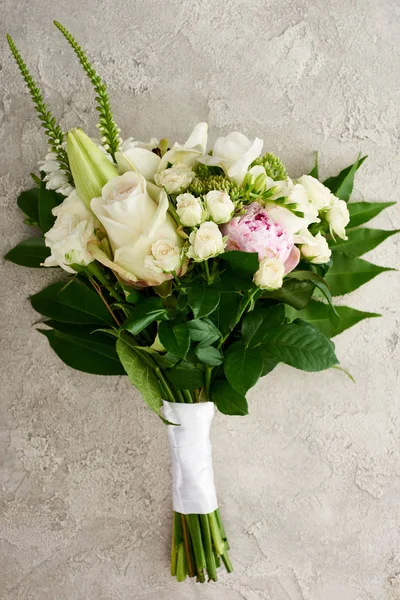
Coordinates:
273 166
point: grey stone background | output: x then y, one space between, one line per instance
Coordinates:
309 482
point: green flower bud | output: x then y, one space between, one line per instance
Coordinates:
90 168
260 183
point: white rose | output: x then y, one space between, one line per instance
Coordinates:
137 156
315 249
338 217
270 273
166 257
194 147
134 222
234 153
205 242
318 194
175 179
219 205
189 210
70 234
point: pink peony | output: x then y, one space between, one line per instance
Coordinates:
255 231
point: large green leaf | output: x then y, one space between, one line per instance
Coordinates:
209 355
348 273
258 323
72 302
242 263
243 366
342 184
362 212
300 345
318 281
145 313
203 300
174 336
318 314
28 202
293 292
141 375
227 312
360 241
48 199
227 399
185 376
203 331
29 253
82 350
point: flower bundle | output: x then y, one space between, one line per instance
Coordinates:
194 273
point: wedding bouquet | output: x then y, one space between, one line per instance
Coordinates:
193 272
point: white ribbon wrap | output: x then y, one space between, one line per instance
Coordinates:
193 489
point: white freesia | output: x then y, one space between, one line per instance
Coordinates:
138 156
166 257
205 242
55 177
270 273
134 222
338 217
194 147
315 249
70 234
234 154
175 179
219 206
190 210
317 193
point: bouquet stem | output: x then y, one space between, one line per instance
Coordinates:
198 545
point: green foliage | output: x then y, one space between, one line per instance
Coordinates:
318 314
315 170
31 252
227 312
107 126
203 331
293 292
83 349
241 263
73 302
273 166
209 355
144 314
243 366
362 212
348 273
360 241
53 131
260 322
227 399
174 336
48 199
185 376
203 300
28 202
342 184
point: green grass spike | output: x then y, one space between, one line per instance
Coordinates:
108 128
53 131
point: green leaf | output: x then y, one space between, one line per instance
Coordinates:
293 292
48 199
145 313
73 302
29 253
209 355
300 345
78 348
269 362
318 315
360 241
203 331
242 263
348 273
342 184
243 366
260 322
319 282
227 399
227 312
28 202
141 375
203 300
314 171
174 336
185 376
362 212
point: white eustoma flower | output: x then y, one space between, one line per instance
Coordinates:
315 249
270 273
194 147
205 242
70 234
138 156
317 193
234 154
134 221
55 177
219 206
190 210
176 179
338 216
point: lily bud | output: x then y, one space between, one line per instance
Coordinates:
90 167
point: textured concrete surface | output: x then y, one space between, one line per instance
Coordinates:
309 482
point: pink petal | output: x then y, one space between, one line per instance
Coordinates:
292 260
